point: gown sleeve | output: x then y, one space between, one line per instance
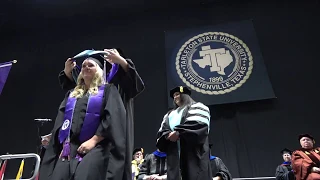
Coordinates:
283 174
195 124
113 128
65 82
129 81
162 141
223 171
301 167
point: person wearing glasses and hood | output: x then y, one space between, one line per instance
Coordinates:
284 171
183 136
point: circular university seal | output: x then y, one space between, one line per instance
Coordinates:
214 63
65 125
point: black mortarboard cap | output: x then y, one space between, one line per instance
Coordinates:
97 56
306 135
137 150
181 89
285 150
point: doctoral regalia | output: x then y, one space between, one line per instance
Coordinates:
284 172
302 162
189 157
155 163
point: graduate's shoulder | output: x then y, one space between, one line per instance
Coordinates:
110 87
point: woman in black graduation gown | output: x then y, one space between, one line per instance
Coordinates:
129 84
90 122
183 136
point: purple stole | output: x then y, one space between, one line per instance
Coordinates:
90 123
113 71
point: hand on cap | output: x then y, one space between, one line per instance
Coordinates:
114 56
68 66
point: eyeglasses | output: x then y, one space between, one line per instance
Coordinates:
138 154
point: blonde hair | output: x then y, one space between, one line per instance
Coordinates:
98 80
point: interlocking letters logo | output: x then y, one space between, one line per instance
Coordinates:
214 63
66 124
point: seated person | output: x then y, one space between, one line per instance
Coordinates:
136 162
284 171
306 160
219 169
154 167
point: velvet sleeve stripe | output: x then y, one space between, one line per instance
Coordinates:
199 119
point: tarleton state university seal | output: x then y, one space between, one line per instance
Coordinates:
214 63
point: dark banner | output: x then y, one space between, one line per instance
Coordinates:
220 64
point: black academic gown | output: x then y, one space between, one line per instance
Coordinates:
153 164
219 168
95 163
129 85
194 160
284 172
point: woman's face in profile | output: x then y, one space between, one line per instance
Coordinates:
176 98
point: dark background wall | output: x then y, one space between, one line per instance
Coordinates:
247 136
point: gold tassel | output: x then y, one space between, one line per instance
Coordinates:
181 89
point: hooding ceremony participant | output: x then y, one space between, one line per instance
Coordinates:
129 84
183 136
91 121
